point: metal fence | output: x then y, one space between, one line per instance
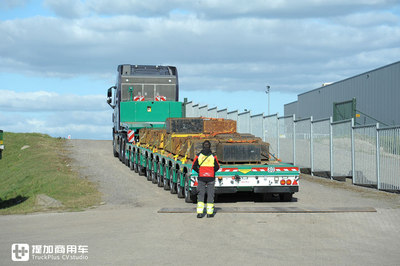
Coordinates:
368 154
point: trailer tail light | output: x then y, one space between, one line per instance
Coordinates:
282 182
288 182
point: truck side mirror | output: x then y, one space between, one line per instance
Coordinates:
109 96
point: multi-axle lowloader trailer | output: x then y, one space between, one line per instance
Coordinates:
144 98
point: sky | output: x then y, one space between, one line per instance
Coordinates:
59 57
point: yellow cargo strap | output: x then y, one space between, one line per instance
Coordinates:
184 159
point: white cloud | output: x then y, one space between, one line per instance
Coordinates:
229 51
10 4
58 115
216 9
42 101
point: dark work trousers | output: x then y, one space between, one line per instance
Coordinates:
201 188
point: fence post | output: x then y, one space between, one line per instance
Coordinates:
331 145
353 170
311 147
294 140
378 153
263 128
277 135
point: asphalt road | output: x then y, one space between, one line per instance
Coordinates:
128 230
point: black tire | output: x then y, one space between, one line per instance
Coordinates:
123 146
180 191
266 197
287 197
127 159
135 164
160 181
189 196
131 165
142 170
114 150
172 185
120 153
154 176
148 170
165 180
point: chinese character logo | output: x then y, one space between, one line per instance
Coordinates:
20 252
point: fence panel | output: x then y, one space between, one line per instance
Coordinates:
256 126
321 146
341 135
189 109
389 158
243 122
285 152
271 133
222 113
203 111
303 143
212 112
233 115
365 155
195 110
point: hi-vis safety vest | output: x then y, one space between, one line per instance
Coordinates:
206 165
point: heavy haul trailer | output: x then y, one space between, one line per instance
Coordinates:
144 97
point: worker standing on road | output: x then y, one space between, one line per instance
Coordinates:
206 165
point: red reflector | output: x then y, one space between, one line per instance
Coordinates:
288 182
282 182
295 183
195 183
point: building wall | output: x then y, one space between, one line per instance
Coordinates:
377 93
290 108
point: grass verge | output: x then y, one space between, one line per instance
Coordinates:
41 168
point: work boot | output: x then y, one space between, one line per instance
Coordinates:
200 215
210 215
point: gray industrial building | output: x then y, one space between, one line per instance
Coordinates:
371 97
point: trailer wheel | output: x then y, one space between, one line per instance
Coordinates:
127 158
148 170
142 170
286 197
130 163
172 185
166 181
179 189
135 164
114 150
189 196
266 197
160 182
154 176
120 153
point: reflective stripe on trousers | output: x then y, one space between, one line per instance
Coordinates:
200 207
210 208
